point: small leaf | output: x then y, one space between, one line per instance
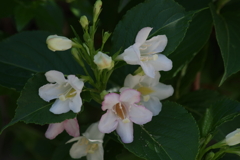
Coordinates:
32 109
164 137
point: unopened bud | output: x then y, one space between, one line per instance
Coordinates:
103 61
103 94
75 54
97 10
106 35
210 156
58 43
233 138
84 22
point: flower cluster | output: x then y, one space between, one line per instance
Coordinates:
135 102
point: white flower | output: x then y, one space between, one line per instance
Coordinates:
90 144
103 61
233 138
58 43
152 91
70 125
144 53
122 111
66 91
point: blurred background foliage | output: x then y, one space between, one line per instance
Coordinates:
199 78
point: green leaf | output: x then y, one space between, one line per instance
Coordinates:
227 33
7 8
197 35
172 135
32 109
191 5
26 53
165 16
218 113
23 14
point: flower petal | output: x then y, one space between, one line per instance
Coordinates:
131 55
150 82
78 151
110 100
156 44
108 122
72 127
75 103
76 83
60 107
131 81
50 91
53 130
97 155
148 69
143 35
93 132
125 131
130 96
74 139
162 63
162 91
55 76
139 114
154 105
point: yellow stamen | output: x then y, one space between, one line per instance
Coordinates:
145 90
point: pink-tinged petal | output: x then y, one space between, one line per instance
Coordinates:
55 76
78 151
132 55
139 114
75 103
76 83
50 91
97 155
131 81
148 69
60 107
108 122
130 96
154 105
125 131
123 88
143 35
162 63
162 91
110 100
71 126
93 132
53 130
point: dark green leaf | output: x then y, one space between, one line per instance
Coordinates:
26 53
227 33
7 8
196 36
164 137
23 14
193 4
32 109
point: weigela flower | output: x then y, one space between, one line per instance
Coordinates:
233 138
145 53
90 144
66 91
58 43
103 61
152 91
70 125
122 111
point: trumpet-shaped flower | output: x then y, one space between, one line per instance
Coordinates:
58 43
122 111
152 91
145 53
233 138
70 125
90 144
66 91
